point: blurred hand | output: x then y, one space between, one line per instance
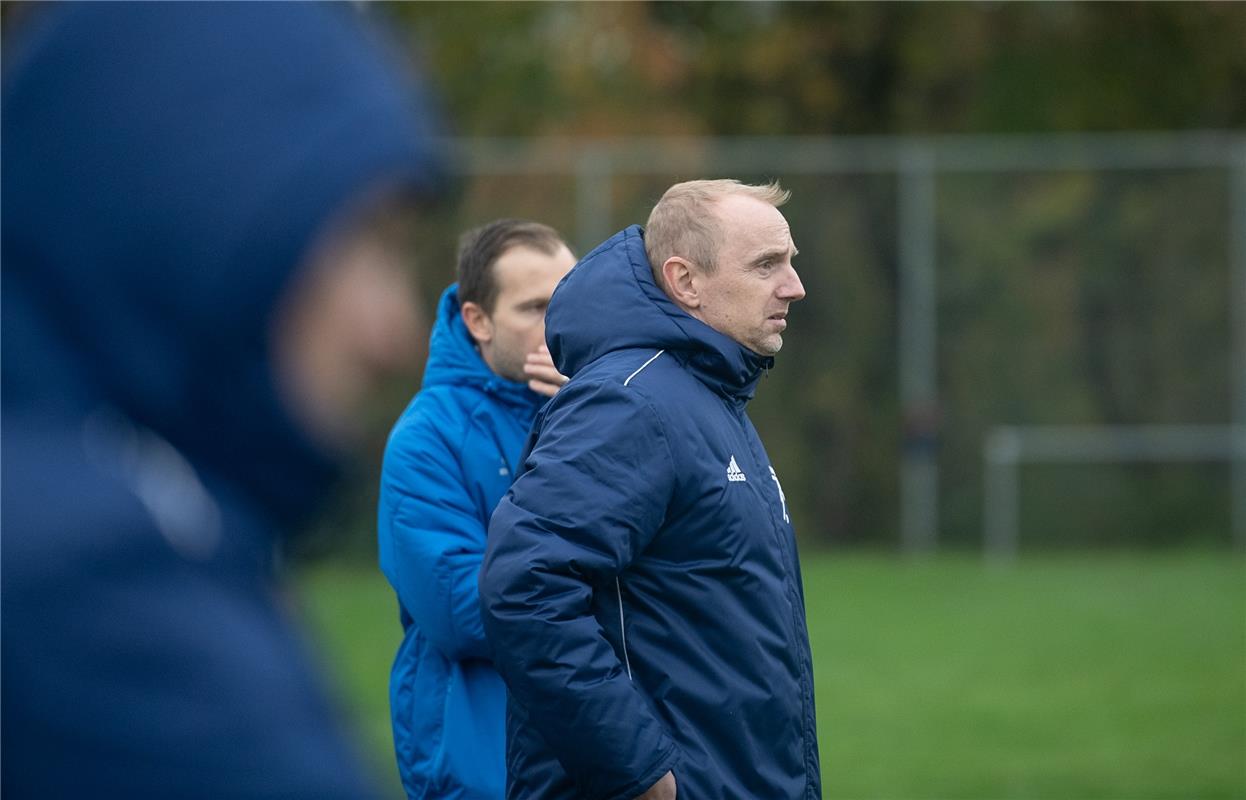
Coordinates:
664 789
543 377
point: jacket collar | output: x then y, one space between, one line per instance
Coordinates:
610 301
454 359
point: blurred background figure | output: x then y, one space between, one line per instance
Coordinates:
200 285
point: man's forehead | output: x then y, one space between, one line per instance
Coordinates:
776 232
752 224
524 270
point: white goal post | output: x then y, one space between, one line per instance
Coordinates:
1009 446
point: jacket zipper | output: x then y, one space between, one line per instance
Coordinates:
622 629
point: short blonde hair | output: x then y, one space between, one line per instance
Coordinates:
683 223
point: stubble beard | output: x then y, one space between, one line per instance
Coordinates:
771 345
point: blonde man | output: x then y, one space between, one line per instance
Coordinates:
641 589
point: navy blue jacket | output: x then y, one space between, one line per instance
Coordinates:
450 458
641 587
166 168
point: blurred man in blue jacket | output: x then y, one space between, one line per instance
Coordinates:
641 589
199 289
450 457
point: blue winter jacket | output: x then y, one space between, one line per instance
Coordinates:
450 458
168 168
641 588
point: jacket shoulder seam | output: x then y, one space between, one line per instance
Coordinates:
641 368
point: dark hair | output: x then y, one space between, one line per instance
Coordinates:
480 248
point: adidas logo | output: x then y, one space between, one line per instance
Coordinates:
734 473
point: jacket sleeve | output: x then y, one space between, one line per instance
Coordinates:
432 539
594 493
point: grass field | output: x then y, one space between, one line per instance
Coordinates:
1082 677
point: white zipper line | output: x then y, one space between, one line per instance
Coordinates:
623 631
642 366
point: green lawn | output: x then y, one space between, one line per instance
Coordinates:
1072 678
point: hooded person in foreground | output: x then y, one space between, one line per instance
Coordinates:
198 292
640 588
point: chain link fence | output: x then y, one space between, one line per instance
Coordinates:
956 284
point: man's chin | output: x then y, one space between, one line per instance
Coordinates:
770 346
512 373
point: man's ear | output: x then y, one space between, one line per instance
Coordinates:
678 275
478 323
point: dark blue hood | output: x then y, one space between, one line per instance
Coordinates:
454 360
152 223
610 302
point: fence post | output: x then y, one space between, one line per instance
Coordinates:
594 199
918 332
1000 454
1237 318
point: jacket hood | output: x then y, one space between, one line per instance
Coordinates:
610 302
166 169
453 359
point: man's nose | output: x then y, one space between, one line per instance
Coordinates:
791 289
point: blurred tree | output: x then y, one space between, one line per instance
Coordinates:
624 68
